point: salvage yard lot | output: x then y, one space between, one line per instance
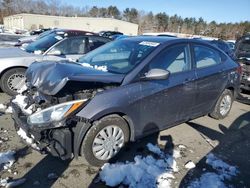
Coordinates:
228 139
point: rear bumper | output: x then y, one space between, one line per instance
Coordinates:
57 141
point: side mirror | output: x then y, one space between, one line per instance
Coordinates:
157 74
55 52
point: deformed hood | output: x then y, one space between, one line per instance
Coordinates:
51 77
13 52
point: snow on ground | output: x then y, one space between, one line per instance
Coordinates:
190 165
21 101
7 159
5 108
24 136
143 172
28 140
223 172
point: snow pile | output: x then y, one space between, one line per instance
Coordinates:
24 136
6 109
143 172
21 101
190 165
8 184
101 68
3 107
223 170
29 140
7 159
24 88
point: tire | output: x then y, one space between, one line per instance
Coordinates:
10 80
88 144
226 100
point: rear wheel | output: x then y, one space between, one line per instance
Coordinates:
223 105
13 80
104 140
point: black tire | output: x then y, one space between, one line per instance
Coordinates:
216 113
86 146
6 76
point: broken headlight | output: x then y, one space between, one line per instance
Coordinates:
55 113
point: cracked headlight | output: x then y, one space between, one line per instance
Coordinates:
55 113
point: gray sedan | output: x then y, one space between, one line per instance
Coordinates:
64 44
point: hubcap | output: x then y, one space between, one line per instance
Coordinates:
108 142
225 105
16 81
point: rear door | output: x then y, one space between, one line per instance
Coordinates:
211 77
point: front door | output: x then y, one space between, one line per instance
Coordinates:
169 101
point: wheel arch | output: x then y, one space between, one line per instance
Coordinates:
9 68
82 130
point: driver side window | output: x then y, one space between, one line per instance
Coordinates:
174 59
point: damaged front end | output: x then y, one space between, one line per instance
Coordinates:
48 122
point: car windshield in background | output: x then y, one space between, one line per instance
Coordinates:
119 56
43 44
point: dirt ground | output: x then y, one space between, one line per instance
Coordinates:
229 139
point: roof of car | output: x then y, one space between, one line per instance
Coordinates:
71 32
159 39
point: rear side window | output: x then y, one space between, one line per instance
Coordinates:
205 56
174 59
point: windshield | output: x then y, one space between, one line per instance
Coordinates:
43 44
119 56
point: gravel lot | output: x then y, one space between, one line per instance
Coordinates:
229 139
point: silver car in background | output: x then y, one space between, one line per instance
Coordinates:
62 45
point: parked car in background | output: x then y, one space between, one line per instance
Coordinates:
28 39
242 53
60 45
39 31
223 46
123 91
109 34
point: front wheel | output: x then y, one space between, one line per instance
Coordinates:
223 105
104 140
13 80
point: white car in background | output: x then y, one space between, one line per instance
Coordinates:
57 46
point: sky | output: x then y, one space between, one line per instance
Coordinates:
218 10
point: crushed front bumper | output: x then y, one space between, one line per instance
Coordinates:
57 141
